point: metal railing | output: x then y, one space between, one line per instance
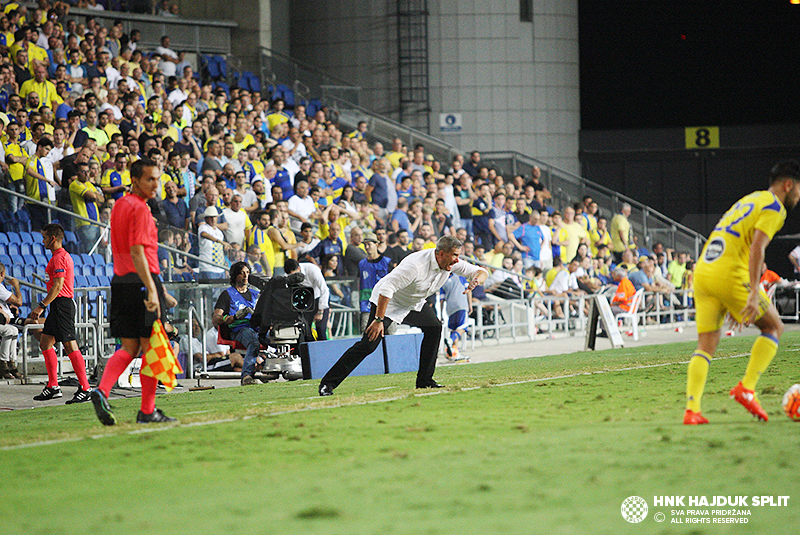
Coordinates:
567 188
196 35
305 80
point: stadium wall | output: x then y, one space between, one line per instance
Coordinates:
264 23
513 83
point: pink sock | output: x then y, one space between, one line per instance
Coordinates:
51 363
114 368
79 365
149 385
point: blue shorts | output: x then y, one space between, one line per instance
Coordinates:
457 320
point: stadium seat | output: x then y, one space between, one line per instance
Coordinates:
18 271
38 249
222 85
70 241
3 248
80 281
98 259
87 259
26 237
109 270
5 259
313 106
37 237
86 270
105 280
14 237
13 249
77 260
3 238
22 221
29 260
26 248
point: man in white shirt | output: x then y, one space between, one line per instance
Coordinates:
239 224
400 297
316 280
301 206
8 332
169 59
794 258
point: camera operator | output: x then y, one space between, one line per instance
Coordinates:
234 308
8 330
314 278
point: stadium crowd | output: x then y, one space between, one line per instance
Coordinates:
244 179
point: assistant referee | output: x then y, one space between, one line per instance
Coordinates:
137 297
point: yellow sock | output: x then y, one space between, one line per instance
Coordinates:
696 379
762 353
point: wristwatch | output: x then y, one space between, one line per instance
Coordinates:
42 305
377 318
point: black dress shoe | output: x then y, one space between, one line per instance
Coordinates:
431 384
325 390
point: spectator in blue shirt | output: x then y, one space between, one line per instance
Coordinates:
528 238
400 219
174 208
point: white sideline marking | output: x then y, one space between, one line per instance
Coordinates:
352 404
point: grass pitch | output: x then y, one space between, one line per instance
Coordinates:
543 445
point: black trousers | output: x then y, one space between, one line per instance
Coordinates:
431 328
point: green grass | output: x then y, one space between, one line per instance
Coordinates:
548 455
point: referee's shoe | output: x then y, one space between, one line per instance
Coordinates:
102 408
49 392
155 417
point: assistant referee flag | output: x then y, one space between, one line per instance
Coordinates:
159 361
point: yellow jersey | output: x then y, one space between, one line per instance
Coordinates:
727 251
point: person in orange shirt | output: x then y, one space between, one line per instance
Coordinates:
768 277
621 302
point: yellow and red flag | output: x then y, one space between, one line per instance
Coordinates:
159 361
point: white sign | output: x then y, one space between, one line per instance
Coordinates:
450 122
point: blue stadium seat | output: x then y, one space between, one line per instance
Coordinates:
29 260
5 259
70 241
80 281
313 106
22 220
37 237
18 271
93 281
105 280
38 249
13 249
222 85
26 248
87 259
99 270
26 237
13 237
98 259
109 270
3 248
86 270
3 237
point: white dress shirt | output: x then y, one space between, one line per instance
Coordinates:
316 280
413 280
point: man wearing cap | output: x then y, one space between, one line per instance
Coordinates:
212 246
401 297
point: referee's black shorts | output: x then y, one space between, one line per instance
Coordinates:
60 321
128 316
